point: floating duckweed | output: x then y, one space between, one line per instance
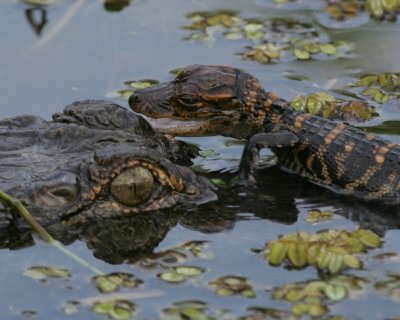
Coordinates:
115 309
347 9
179 254
206 153
172 277
329 251
383 8
304 50
42 272
199 249
133 86
261 313
188 271
265 53
301 54
141 84
343 9
180 274
231 285
312 297
183 310
327 106
380 87
253 31
391 286
314 216
271 38
328 48
111 282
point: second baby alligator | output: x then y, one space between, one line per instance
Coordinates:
221 100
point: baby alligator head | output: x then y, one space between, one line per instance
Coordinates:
205 100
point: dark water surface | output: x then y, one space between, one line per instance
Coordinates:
84 51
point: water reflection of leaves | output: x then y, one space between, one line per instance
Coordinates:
313 297
232 285
183 310
272 39
390 286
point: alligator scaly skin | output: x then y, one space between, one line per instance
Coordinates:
221 100
341 157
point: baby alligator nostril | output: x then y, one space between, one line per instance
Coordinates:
134 99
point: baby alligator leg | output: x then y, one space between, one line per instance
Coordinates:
251 153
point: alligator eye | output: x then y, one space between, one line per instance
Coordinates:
190 102
65 193
133 186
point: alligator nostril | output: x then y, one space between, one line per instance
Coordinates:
134 99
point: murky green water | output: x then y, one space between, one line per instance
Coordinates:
76 50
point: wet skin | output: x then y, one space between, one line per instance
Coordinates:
94 160
221 100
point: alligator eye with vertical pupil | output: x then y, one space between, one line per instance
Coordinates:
133 186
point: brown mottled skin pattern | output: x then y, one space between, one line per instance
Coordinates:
68 167
221 100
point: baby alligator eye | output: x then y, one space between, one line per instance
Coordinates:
133 186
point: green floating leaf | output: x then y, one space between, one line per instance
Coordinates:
111 282
277 252
224 292
375 8
141 84
311 298
253 31
218 182
172 277
41 272
330 250
301 54
206 153
368 238
185 310
314 216
125 93
230 285
328 48
335 293
262 53
189 271
115 309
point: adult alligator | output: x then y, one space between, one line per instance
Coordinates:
221 100
96 159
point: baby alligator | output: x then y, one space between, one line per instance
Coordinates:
221 100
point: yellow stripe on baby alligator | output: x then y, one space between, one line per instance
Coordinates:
348 147
334 133
298 121
380 154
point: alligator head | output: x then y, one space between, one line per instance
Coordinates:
205 100
97 160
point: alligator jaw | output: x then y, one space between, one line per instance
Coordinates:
183 128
